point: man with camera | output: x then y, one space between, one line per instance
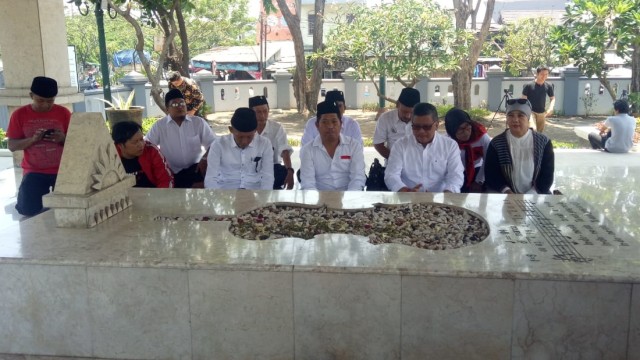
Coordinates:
39 129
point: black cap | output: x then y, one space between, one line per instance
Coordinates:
409 97
334 96
244 120
172 94
453 119
257 101
326 107
44 86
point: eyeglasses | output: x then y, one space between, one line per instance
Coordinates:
178 104
518 101
415 127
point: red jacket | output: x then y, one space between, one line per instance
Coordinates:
154 166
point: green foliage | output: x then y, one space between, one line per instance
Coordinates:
293 142
3 139
219 23
634 101
367 142
443 109
524 45
120 103
564 145
147 123
591 27
386 40
479 113
371 106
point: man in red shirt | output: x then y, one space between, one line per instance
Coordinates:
141 158
40 130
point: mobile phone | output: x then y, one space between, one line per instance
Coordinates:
49 132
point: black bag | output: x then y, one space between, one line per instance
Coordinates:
375 181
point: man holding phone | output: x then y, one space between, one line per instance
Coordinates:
40 130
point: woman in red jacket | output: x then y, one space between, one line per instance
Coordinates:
141 158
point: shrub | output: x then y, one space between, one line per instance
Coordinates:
3 139
147 123
370 106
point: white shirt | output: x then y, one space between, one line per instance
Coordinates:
345 171
349 128
437 166
389 129
622 127
230 167
522 160
275 133
182 145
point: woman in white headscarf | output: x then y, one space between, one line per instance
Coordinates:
520 160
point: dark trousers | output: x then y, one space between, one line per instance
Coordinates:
598 141
185 178
280 174
32 188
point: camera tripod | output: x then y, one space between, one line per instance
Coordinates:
504 100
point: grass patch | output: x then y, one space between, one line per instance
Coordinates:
564 145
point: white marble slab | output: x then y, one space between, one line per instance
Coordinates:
532 237
557 320
346 316
456 318
241 314
44 310
139 313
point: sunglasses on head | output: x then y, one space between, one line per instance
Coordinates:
518 101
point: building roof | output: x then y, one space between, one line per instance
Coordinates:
236 54
511 16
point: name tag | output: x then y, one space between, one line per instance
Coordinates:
345 157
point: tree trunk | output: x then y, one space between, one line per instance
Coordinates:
300 74
154 79
184 42
635 68
461 78
318 64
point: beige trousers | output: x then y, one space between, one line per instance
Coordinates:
539 120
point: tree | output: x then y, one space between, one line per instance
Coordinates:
524 45
153 12
305 89
590 28
219 23
384 40
461 78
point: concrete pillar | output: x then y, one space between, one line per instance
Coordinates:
350 88
423 87
571 77
33 38
283 85
137 82
205 81
495 77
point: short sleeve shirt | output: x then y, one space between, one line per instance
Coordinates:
44 156
390 129
537 95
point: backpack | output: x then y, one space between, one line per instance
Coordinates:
375 180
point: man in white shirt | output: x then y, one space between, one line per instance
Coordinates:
425 160
242 159
182 139
350 127
392 125
621 129
332 161
281 149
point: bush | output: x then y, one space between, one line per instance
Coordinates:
3 139
443 109
147 123
370 106
479 113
